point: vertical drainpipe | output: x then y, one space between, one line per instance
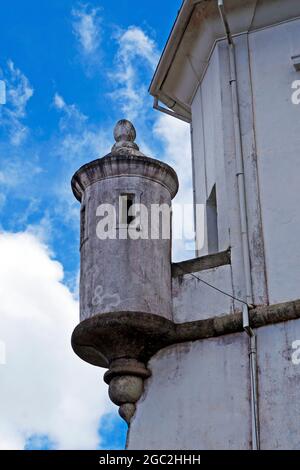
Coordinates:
244 230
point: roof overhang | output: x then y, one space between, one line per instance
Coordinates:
196 30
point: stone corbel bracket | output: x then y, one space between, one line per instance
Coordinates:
123 342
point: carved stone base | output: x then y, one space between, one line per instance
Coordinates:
123 342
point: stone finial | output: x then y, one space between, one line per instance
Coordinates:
124 134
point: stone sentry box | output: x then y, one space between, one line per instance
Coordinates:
125 284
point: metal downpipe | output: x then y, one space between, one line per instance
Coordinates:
244 230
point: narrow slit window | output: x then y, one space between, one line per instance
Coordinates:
126 203
82 225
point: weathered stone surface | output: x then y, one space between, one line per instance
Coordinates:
141 336
196 398
125 283
127 411
127 165
279 386
209 379
125 389
124 274
126 366
102 339
125 135
195 300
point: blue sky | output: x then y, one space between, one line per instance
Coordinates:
72 69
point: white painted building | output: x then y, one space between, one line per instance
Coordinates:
231 71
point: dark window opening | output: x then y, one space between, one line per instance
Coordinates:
82 225
127 201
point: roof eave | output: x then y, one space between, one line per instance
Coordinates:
170 49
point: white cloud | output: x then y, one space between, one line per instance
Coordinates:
72 117
45 388
134 42
135 51
92 143
87 29
78 142
15 171
175 138
58 101
19 92
43 230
